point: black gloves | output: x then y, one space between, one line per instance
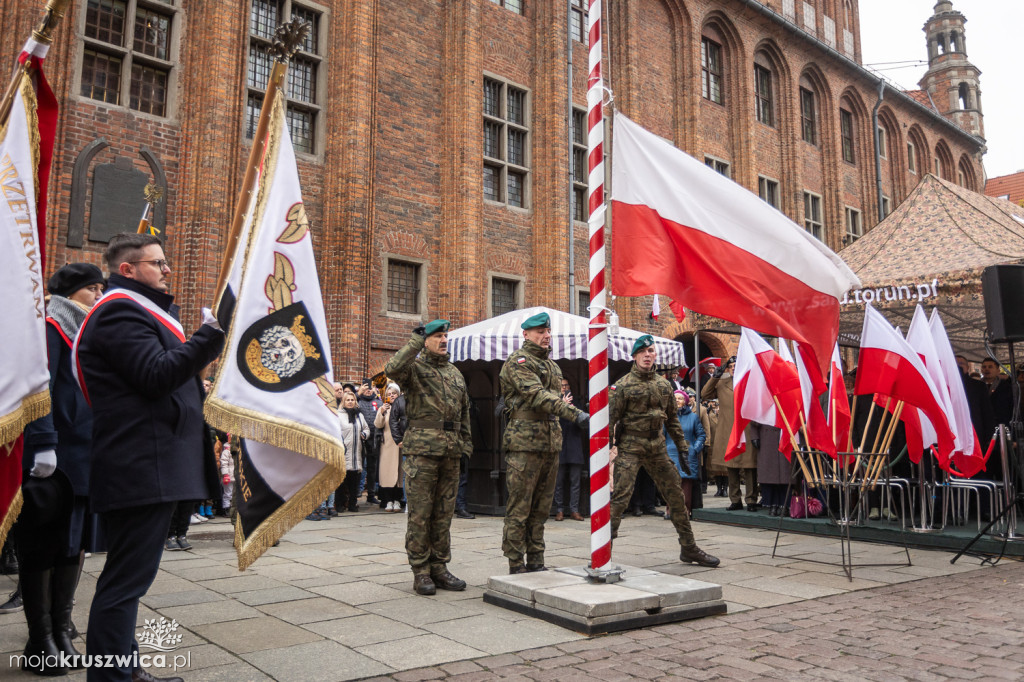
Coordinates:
684 465
420 331
719 371
756 442
582 419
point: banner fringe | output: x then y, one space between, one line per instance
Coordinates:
294 510
32 407
10 517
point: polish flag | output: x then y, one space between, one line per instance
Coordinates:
812 386
685 231
838 418
890 367
968 457
759 376
920 338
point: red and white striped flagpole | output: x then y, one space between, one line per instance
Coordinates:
597 348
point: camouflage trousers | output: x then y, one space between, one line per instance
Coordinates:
530 477
430 487
666 478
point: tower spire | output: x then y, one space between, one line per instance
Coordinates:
952 80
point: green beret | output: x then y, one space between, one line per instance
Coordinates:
538 320
641 343
436 326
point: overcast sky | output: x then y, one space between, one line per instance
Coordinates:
891 32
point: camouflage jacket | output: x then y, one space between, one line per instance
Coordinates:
641 404
435 391
531 385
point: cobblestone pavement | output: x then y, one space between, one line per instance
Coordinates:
964 627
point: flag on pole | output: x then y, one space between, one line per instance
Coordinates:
26 150
920 338
655 309
812 387
968 458
685 231
889 367
761 376
838 417
274 383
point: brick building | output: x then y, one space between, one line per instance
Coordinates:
434 136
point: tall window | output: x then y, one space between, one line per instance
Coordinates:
506 143
812 215
883 143
126 57
854 225
512 5
403 287
763 95
768 190
846 132
583 303
504 295
886 206
808 117
912 158
580 168
578 21
721 167
711 70
302 88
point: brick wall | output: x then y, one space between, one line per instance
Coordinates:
399 168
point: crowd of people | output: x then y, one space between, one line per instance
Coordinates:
124 463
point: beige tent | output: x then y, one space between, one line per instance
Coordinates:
932 250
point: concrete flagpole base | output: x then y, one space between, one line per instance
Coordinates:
639 598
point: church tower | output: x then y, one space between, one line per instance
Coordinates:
951 80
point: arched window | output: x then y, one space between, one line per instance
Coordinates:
964 96
764 90
808 112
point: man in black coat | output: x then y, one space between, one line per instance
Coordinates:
141 377
570 461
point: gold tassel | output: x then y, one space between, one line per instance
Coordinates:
10 517
294 510
32 407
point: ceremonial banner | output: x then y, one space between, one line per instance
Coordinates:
812 386
274 383
26 149
920 338
683 230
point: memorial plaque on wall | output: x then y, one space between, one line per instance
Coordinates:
117 199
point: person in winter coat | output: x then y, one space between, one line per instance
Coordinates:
571 461
56 477
744 465
227 472
354 432
695 436
391 423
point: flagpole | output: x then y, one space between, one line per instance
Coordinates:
287 39
597 348
43 34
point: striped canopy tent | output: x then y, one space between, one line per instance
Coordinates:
497 337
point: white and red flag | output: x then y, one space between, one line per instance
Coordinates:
26 149
685 231
838 417
920 338
889 367
968 458
812 386
761 376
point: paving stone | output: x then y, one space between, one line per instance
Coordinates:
495 636
255 634
157 601
194 615
309 610
317 661
360 592
419 651
368 628
271 595
589 601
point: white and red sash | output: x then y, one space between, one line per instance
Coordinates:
161 315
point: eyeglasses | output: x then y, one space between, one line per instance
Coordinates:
160 263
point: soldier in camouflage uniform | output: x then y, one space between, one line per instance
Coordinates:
531 386
437 405
642 408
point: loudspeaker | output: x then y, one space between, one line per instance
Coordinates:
1003 289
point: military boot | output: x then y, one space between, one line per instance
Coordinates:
695 555
422 584
446 581
41 648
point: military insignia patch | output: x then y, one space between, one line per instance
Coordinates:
521 360
282 350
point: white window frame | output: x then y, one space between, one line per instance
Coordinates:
815 227
854 224
501 163
720 166
421 304
763 184
912 157
519 292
